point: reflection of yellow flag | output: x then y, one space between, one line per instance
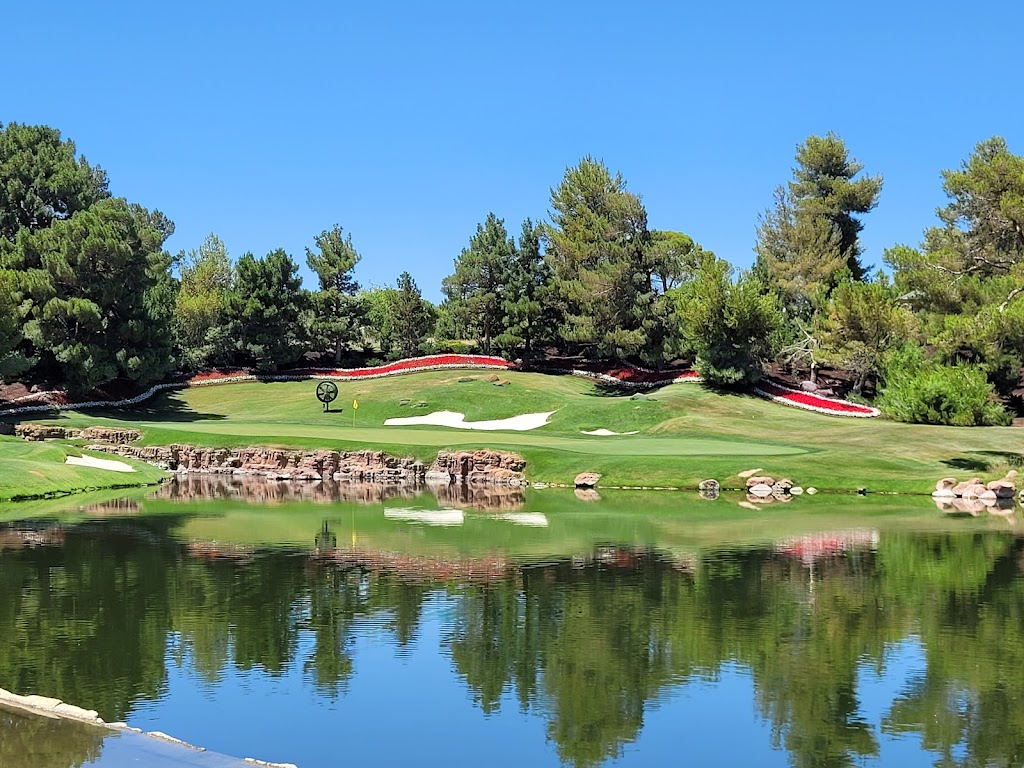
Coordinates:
355 403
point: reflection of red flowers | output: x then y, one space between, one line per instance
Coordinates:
814 402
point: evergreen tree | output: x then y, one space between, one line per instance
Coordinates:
264 307
529 319
598 251
200 310
730 327
337 313
475 292
411 317
41 180
91 279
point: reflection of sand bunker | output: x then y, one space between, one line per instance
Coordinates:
426 516
521 423
606 432
532 519
92 461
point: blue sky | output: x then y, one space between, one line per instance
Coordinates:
406 122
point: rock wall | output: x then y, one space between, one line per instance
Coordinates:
477 467
114 435
461 467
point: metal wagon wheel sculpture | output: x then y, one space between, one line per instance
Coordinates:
326 393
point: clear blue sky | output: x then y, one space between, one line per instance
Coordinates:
406 122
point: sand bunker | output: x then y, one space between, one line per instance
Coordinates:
92 461
606 432
426 516
522 423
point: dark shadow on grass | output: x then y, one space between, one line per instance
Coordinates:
967 465
164 406
982 461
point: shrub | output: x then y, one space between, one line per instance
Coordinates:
918 392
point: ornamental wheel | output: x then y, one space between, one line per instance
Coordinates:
326 392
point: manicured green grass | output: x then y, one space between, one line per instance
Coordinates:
686 433
30 470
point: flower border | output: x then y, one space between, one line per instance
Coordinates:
825 405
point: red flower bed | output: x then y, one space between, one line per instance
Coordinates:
815 402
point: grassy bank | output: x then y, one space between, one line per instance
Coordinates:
35 470
685 432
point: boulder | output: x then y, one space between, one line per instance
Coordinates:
114 435
761 490
709 485
796 490
586 479
812 490
988 495
36 432
1003 489
754 498
808 386
973 491
944 488
762 480
959 488
782 486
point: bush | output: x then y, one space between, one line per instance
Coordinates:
957 395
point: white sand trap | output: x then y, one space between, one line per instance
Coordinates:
522 423
532 519
426 516
92 461
606 432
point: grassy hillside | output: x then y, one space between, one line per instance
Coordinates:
37 469
686 433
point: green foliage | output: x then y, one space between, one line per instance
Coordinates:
41 180
264 309
337 314
966 281
864 322
598 248
730 327
527 298
412 317
823 187
476 289
90 279
920 391
13 359
200 309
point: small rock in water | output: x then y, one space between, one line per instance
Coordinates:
586 479
796 490
812 490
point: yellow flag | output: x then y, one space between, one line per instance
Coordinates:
355 404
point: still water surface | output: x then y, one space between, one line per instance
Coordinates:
327 628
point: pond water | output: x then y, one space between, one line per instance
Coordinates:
330 626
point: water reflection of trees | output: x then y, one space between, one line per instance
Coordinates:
28 741
588 645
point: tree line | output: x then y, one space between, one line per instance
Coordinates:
89 295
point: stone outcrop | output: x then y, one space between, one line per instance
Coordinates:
44 432
461 467
586 480
948 488
113 435
477 467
